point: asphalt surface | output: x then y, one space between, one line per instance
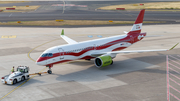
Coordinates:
132 77
49 12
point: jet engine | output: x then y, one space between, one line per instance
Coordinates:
103 61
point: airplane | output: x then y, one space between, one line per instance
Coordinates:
103 49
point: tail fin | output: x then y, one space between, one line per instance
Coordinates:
138 23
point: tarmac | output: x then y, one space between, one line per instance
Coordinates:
132 77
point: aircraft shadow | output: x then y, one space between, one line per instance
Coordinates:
119 67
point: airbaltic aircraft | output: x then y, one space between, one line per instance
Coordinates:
103 50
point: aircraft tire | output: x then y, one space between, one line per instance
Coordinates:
49 72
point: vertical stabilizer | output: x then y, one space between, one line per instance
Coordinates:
138 23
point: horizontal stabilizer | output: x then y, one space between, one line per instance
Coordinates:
125 32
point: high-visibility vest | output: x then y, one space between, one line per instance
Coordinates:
12 70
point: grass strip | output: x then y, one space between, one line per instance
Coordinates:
148 6
71 22
20 8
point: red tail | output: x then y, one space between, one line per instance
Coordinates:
140 17
138 23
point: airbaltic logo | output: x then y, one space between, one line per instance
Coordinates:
138 27
106 62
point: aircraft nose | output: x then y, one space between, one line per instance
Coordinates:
39 61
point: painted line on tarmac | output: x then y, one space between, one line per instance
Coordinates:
63 7
10 15
21 85
39 46
8 36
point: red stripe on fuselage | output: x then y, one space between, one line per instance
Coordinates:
119 48
86 57
126 39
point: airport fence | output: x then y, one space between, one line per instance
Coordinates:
173 77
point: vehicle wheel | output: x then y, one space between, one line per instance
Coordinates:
49 72
23 78
14 81
112 63
27 77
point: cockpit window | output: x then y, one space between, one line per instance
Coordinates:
50 54
47 55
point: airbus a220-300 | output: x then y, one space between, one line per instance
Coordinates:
103 49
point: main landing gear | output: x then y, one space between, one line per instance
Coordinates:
49 71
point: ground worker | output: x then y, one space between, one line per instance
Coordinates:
12 70
21 70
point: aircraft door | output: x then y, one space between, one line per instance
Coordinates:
61 53
95 46
49 58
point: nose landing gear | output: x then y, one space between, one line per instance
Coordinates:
49 71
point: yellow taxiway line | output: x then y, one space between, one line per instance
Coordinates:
8 36
39 46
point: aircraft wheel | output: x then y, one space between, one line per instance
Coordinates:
49 72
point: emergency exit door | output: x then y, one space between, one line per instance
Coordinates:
61 53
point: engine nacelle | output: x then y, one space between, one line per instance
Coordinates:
103 61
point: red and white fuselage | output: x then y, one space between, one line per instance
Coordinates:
84 50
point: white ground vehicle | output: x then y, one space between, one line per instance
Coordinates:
21 74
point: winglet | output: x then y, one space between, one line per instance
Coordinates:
173 46
62 33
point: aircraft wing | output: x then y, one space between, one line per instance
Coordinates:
133 51
137 51
67 39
